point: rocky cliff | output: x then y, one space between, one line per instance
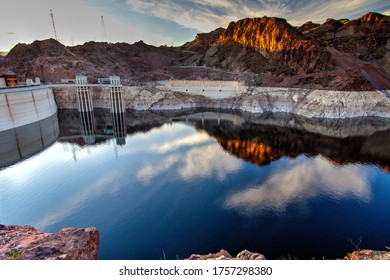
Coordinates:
28 243
279 42
338 54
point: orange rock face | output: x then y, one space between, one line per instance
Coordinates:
279 42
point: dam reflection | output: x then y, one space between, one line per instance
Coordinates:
25 141
255 139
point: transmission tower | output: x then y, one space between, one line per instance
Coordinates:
54 26
104 35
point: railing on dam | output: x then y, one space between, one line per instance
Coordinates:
25 105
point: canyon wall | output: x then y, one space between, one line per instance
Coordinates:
304 102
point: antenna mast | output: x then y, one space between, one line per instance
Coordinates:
54 26
104 35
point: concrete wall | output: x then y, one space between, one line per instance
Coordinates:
25 105
212 89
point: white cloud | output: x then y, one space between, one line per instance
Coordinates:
206 15
79 22
300 181
387 12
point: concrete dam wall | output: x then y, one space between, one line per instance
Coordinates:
25 105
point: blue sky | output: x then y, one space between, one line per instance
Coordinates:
168 22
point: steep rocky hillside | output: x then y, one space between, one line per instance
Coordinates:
361 46
337 54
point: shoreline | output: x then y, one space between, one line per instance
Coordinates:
316 104
27 243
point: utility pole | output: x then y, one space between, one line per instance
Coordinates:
104 35
54 26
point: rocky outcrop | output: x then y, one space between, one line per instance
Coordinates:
28 243
367 254
247 255
224 255
203 40
282 44
360 46
307 26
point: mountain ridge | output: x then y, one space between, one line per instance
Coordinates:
337 54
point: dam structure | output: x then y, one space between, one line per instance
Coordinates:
24 105
208 88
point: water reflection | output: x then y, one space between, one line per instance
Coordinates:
180 179
26 141
119 127
256 139
301 180
88 127
206 160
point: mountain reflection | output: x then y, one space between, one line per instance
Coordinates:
256 139
257 153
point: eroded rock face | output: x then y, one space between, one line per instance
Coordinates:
28 243
279 42
308 103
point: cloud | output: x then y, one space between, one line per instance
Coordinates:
206 15
300 181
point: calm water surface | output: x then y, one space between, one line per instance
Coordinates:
173 186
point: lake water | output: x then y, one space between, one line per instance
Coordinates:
166 186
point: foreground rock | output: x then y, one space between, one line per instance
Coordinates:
28 243
224 255
364 254
368 255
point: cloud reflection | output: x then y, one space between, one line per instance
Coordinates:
301 180
196 162
208 160
97 188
